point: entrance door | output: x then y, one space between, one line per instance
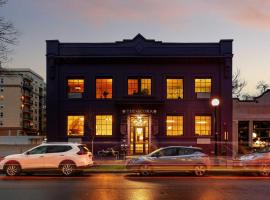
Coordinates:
139 140
139 135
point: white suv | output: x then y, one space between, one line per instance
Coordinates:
66 157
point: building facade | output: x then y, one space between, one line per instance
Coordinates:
22 102
251 123
139 93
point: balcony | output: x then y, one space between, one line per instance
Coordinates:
28 102
27 117
27 86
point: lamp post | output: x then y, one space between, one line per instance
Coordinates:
215 103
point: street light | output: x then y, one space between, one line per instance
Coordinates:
215 103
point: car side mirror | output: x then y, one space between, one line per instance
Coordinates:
27 153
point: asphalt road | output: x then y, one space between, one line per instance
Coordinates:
124 187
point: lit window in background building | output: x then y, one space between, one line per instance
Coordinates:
174 88
104 88
146 86
133 86
174 125
104 125
203 85
261 133
203 125
75 88
75 125
139 86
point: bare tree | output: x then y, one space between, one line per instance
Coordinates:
237 84
246 97
8 36
262 86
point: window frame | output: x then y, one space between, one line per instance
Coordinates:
166 88
194 86
84 125
104 77
95 122
183 128
75 77
139 79
211 126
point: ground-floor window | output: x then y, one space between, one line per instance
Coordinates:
261 133
174 125
203 125
103 125
75 125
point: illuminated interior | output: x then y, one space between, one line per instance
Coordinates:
75 85
174 125
174 88
104 88
203 125
104 125
75 125
203 85
139 134
146 86
139 86
133 86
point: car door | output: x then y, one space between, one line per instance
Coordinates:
34 158
55 154
167 159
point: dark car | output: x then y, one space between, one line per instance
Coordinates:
258 160
171 159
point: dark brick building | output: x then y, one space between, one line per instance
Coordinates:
140 92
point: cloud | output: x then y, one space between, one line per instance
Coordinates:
250 13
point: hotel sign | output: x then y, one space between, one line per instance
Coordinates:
139 111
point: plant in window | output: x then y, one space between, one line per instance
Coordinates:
145 92
74 127
105 94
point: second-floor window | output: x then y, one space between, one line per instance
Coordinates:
203 87
139 86
75 88
103 88
174 88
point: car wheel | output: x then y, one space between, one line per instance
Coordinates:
145 170
67 168
13 169
265 169
200 170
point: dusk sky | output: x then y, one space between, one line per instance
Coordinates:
245 21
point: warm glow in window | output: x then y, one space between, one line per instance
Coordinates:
104 125
203 125
75 125
133 86
203 85
139 86
174 125
174 88
104 88
75 88
146 86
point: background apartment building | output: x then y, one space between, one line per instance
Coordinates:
22 102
